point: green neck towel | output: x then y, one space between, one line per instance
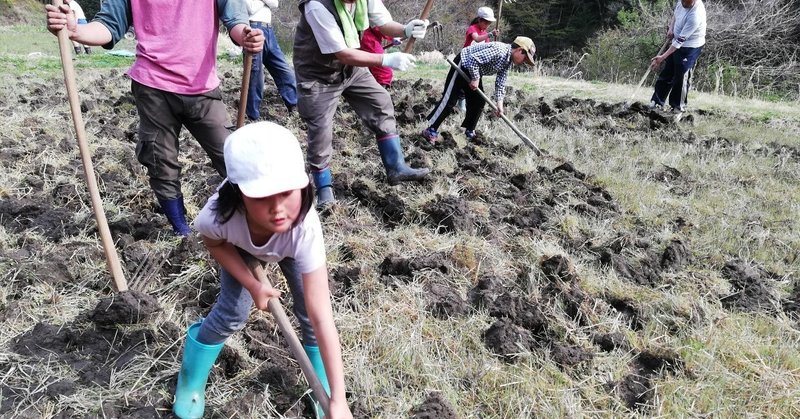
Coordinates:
352 24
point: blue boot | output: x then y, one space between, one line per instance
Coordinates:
324 183
176 214
319 368
395 163
198 358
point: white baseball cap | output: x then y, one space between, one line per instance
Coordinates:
486 13
264 159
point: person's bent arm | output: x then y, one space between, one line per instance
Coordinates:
230 259
359 58
250 40
94 33
318 305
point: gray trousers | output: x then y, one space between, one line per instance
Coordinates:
161 116
233 305
317 103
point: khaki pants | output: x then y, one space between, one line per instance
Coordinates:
161 115
317 103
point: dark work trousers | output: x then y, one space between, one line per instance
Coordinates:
161 115
676 78
273 60
454 87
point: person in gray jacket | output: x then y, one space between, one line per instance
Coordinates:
687 29
328 64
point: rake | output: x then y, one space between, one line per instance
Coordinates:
112 259
646 73
505 119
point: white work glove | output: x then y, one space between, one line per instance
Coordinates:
399 61
416 28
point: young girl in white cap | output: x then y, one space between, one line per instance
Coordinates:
263 210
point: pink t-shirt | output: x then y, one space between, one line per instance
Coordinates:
473 29
177 47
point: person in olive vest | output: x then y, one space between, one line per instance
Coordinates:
328 64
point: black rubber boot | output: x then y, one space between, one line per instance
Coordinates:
395 163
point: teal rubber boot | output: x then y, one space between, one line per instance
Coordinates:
198 358
319 368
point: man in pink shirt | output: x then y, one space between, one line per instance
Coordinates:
174 78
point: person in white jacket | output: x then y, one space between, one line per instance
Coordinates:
271 58
687 30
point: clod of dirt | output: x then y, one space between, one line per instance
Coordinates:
444 301
506 339
570 355
400 266
483 294
791 305
521 311
637 389
343 280
230 362
610 341
450 215
752 290
529 218
676 255
642 272
627 310
569 168
389 207
435 406
128 307
558 268
667 174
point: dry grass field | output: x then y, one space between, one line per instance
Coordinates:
644 267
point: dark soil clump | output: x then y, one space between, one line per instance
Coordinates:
444 301
507 339
610 341
435 406
752 290
450 215
568 356
128 307
636 390
399 266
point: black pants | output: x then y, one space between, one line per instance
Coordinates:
454 87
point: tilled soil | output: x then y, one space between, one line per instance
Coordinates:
559 320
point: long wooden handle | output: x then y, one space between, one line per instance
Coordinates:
499 15
294 342
516 130
647 73
426 11
112 260
248 64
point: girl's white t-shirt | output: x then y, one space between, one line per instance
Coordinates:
303 243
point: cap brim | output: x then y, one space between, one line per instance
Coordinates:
489 20
261 189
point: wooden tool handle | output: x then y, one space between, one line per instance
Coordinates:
291 337
426 11
112 260
248 64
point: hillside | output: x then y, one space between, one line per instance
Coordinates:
644 267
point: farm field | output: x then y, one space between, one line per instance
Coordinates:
644 267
